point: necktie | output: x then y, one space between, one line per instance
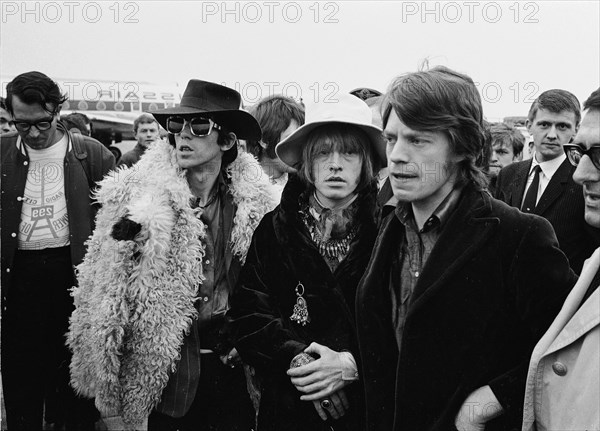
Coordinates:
531 196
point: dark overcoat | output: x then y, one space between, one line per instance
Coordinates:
281 255
491 286
561 204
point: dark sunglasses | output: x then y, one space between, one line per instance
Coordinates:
199 126
42 125
575 153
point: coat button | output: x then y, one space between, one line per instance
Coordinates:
207 261
13 235
559 368
25 162
7 269
19 198
206 299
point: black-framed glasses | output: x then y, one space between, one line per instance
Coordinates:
199 126
576 152
41 125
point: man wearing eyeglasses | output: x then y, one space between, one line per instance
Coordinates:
175 230
543 185
563 383
47 215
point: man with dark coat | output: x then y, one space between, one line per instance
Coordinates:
553 121
460 286
47 215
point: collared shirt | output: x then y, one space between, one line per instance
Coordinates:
413 254
204 332
548 169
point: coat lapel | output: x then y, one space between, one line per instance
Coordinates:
466 230
555 187
518 184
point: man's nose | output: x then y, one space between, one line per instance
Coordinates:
334 160
551 132
398 153
33 132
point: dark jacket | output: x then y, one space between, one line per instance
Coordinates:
561 204
282 254
85 164
491 286
132 157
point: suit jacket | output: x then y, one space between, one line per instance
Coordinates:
561 204
563 384
490 288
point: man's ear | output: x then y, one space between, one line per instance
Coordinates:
229 142
263 145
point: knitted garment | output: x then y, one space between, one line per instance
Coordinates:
135 297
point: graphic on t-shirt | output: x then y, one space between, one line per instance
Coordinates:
44 218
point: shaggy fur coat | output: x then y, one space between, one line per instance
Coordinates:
135 298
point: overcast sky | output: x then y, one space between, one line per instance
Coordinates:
513 50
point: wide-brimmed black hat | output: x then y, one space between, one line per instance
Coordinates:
220 103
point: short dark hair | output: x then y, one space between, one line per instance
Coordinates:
145 118
2 103
342 138
73 121
556 101
446 101
35 88
592 102
509 136
274 114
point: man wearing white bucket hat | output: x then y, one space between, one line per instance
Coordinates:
293 311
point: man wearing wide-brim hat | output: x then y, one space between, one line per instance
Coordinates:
149 335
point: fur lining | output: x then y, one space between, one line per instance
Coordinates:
253 195
135 299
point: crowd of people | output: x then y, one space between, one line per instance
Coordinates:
385 262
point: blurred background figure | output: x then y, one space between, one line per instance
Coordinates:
279 116
374 100
6 122
507 147
147 131
77 123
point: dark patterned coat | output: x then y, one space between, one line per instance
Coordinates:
561 204
282 254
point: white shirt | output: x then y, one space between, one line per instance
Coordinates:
548 169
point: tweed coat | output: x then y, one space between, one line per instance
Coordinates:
561 204
491 286
282 254
563 383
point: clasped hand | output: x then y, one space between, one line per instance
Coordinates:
325 378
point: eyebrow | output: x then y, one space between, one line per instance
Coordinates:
558 123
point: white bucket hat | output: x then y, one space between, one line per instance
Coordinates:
348 109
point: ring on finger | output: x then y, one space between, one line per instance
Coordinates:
326 403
